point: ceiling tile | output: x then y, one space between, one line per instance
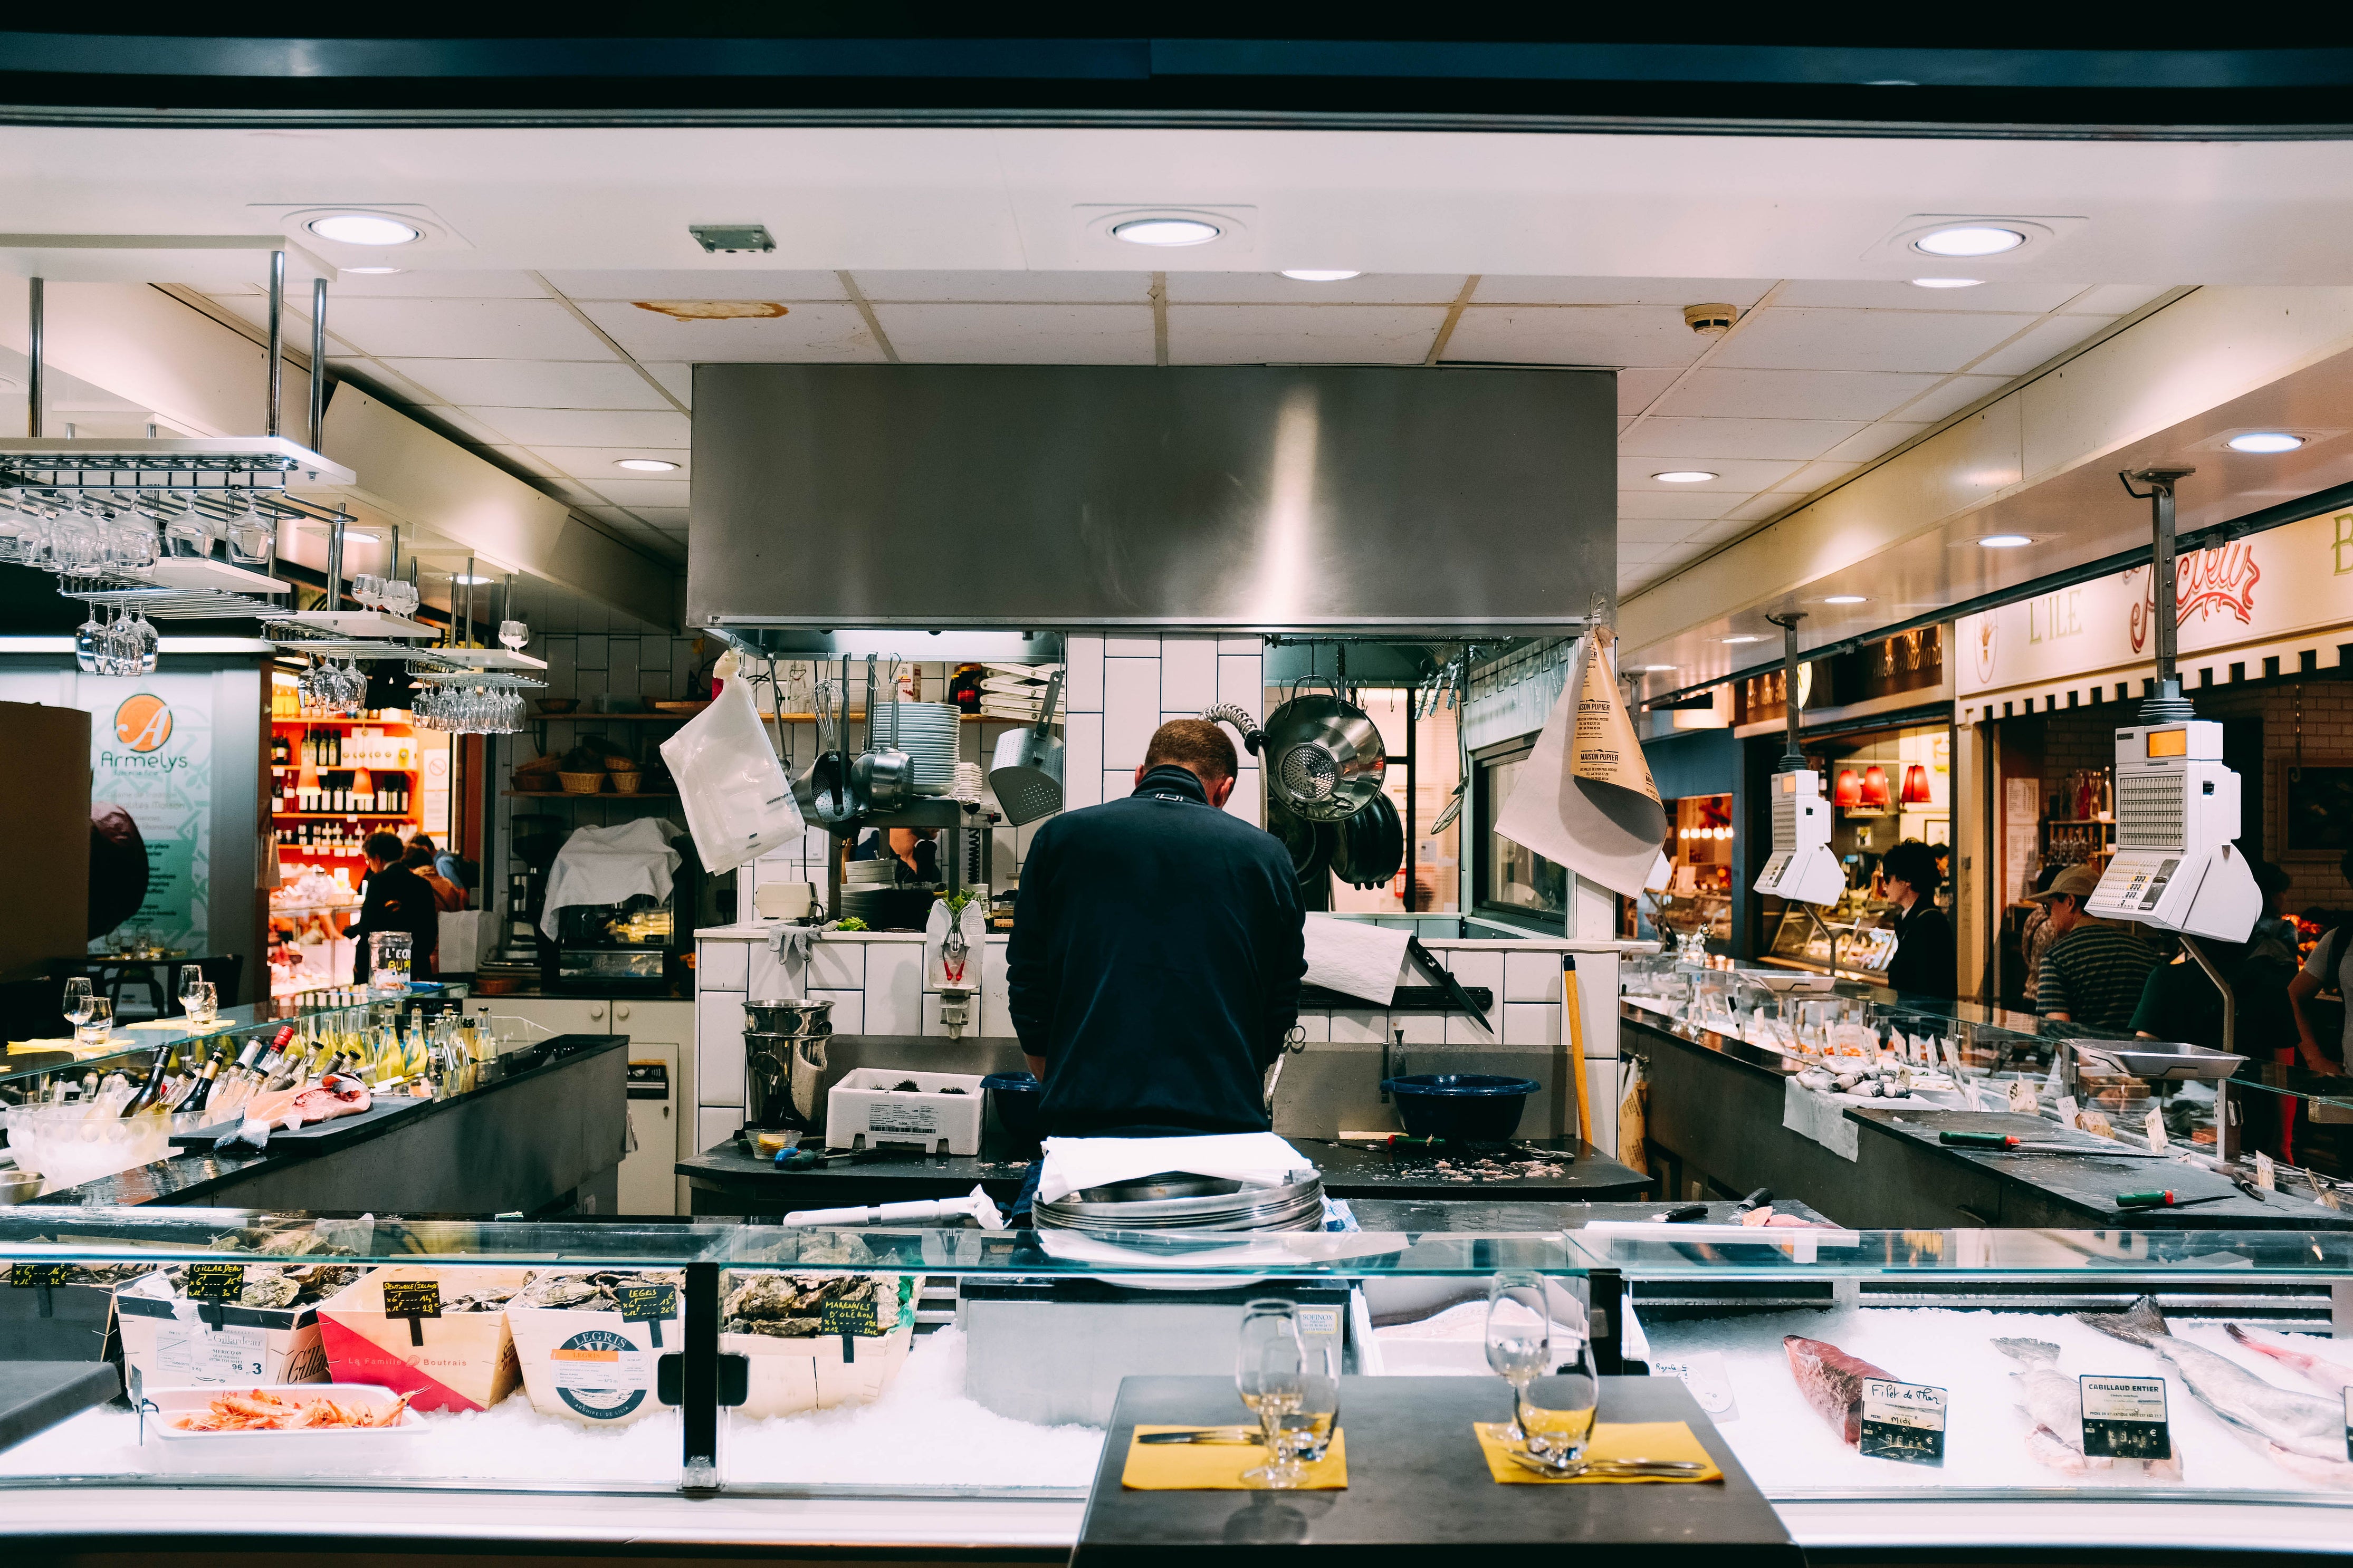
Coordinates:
1780 338
595 463
819 334
669 519
1019 334
465 425
1873 441
523 384
2107 299
1678 293
678 380
1641 384
1317 334
1640 533
1814 476
1756 509
1015 288
413 284
698 283
1999 294
1664 436
1275 289
1678 504
2044 341
634 493
1956 393
585 427
1793 393
1607 334
465 328
1735 476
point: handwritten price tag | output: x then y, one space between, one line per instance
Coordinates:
1903 1421
215 1281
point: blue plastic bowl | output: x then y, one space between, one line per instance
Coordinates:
1014 1099
1481 1107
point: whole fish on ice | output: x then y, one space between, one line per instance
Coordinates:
2333 1375
2299 1423
2055 1402
1832 1382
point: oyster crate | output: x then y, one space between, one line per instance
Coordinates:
851 1358
866 1110
596 1368
170 1341
444 1359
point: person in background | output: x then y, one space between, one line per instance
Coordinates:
2329 968
2034 940
2093 972
2179 1003
397 900
455 868
915 848
1923 964
446 894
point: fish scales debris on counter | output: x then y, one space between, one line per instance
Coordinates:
1467 1162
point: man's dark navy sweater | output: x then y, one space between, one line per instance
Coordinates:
1155 963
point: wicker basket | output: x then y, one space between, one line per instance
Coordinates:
627 781
582 783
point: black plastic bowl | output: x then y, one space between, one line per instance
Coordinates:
1014 1099
1478 1106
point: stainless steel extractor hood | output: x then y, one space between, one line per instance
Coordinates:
1244 498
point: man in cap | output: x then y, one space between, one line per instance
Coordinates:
2093 971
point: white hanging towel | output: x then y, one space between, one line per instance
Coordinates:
1586 800
1353 958
608 865
1254 1159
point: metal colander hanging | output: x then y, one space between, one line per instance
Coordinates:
1307 772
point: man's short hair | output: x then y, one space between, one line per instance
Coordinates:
1914 862
417 856
384 846
1194 743
422 841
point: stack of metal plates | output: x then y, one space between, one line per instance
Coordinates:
1174 1202
927 732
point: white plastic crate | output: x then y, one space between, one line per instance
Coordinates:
864 1111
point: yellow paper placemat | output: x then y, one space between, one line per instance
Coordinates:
1624 1440
62 1043
182 1024
1219 1467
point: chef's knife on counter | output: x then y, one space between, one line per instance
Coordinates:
1240 1435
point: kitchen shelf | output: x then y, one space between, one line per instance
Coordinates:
323 723
343 816
579 715
600 795
342 768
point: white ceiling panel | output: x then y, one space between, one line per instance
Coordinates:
545 427
465 425
527 383
1873 440
1009 287
592 463
1666 435
1782 339
445 283
1605 335
678 380
1644 533
1676 503
1735 476
1019 334
818 333
2041 342
1315 334
1713 392
634 493
1955 393
1815 476
1678 293
465 328
1640 386
1995 294
698 283
1275 289
2117 298
669 518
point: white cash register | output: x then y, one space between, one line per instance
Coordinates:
2176 865
1803 867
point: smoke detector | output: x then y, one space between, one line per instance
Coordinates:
732 238
1710 321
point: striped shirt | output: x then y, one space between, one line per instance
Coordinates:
2094 975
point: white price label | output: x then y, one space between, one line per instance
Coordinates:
1319 1319
2022 1097
200 1354
2068 1109
2124 1417
614 1370
2153 1124
2266 1175
1903 1421
1705 1376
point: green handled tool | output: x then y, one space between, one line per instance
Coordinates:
2005 1143
2164 1200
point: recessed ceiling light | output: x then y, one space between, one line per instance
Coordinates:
1309 274
370 271
1744 636
2004 540
362 228
1947 283
1843 599
1166 231
1683 476
1970 239
644 465
2265 441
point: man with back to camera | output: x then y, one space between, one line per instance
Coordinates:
1158 947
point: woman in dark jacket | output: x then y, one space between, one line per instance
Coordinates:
1924 960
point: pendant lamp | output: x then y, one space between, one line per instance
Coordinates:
1916 785
1874 787
1848 793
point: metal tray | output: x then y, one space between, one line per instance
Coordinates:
2154 1061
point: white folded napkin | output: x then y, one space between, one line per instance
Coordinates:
1255 1159
1353 958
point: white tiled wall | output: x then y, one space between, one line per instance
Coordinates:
1123 688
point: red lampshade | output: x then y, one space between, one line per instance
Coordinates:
1874 785
1849 790
1916 785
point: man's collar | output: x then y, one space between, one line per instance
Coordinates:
1169 776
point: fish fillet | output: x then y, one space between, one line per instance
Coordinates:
2334 1375
1832 1382
2300 1423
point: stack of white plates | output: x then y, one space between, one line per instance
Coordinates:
927 734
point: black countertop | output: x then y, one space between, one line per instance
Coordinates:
189 1177
35 1396
1418 1488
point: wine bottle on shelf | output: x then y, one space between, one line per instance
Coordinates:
153 1089
201 1095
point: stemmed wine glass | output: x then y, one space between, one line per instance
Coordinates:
89 648
514 634
76 1009
1519 1339
1269 1372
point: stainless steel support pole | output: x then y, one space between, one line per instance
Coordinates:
466 637
336 562
2168 704
392 567
2225 1144
318 364
277 335
37 306
1793 756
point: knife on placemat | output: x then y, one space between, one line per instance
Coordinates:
1241 1435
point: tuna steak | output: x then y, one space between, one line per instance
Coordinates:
1832 1382
2300 1423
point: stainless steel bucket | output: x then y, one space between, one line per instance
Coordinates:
789 1015
781 1076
